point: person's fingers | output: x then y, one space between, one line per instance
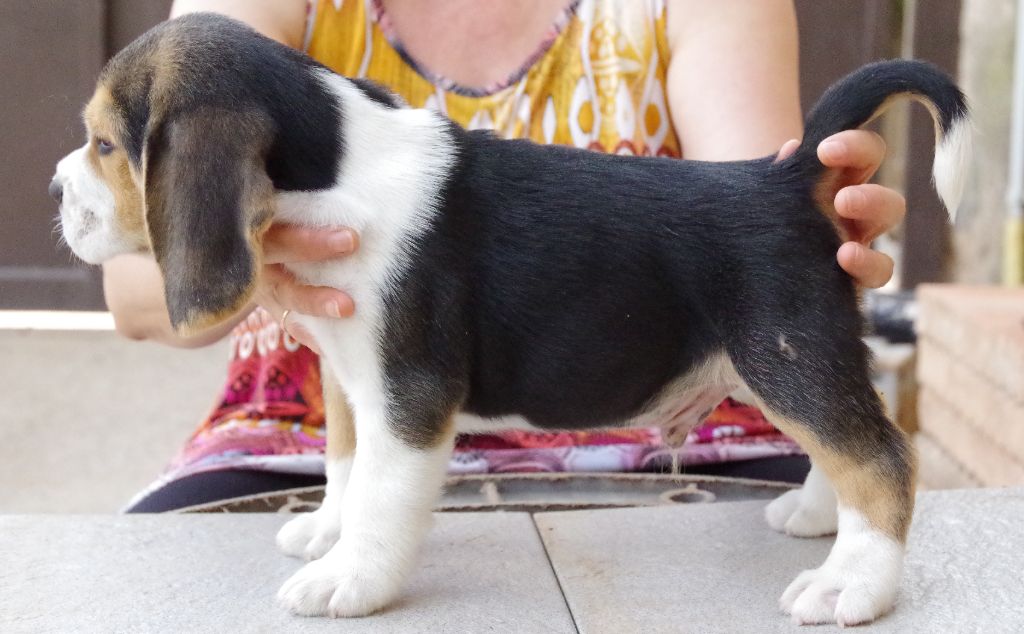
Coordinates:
787 149
279 292
857 152
284 243
869 210
870 269
299 333
284 292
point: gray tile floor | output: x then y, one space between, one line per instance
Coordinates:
697 568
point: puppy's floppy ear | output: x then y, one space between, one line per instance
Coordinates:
208 201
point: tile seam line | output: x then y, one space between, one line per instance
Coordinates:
554 571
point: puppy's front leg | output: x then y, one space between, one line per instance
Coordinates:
810 511
311 535
391 491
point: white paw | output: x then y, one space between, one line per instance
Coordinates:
792 513
827 595
310 535
332 587
856 584
779 510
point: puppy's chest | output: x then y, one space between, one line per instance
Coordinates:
367 275
381 256
351 343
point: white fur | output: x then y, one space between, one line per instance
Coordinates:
952 159
311 535
87 212
394 162
810 511
856 584
387 509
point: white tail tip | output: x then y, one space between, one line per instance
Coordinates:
952 157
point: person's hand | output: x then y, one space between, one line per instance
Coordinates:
865 210
278 290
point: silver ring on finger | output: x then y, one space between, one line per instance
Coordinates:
284 321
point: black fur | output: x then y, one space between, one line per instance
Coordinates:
571 287
850 102
377 93
220 63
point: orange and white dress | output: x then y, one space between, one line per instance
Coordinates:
596 81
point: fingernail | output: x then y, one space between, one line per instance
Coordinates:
832 148
341 241
332 309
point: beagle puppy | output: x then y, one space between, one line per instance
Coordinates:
504 283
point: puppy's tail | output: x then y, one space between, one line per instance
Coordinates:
864 94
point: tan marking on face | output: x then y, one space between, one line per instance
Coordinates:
882 498
115 170
341 429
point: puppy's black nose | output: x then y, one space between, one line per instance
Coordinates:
56 190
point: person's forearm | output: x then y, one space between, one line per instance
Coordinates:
732 82
282 20
134 291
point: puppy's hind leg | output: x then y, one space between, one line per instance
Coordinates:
815 387
311 535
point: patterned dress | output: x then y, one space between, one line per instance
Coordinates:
596 81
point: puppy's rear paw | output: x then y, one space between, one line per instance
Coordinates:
329 587
856 584
827 596
792 513
310 535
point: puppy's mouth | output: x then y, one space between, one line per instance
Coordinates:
75 230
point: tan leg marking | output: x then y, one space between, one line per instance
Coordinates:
341 428
885 500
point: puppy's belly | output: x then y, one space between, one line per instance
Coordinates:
677 409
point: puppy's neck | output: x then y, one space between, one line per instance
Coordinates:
394 163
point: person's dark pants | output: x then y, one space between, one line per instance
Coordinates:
214 486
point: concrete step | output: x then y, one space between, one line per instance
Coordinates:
719 568
690 568
219 573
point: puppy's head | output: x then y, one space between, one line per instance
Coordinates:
176 163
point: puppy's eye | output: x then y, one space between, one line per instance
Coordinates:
104 147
